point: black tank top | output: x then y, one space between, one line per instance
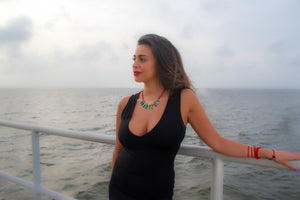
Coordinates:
144 169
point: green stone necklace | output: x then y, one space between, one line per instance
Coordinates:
150 106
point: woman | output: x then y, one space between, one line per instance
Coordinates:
151 125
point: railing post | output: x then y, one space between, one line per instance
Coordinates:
217 183
36 165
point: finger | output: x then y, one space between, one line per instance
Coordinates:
294 156
291 166
297 156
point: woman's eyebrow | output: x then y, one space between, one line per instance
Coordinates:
141 55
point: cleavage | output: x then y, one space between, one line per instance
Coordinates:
143 121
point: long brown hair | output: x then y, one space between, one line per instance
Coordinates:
169 65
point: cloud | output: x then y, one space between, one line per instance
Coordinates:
277 47
14 34
16 31
225 51
86 65
93 52
62 16
223 44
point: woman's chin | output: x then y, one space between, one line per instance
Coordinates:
137 80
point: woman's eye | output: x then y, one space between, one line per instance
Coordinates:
140 59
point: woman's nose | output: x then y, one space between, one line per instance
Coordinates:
135 64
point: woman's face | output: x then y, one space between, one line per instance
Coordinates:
144 66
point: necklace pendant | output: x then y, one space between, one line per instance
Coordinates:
150 106
142 102
145 105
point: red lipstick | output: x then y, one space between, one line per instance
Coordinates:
136 73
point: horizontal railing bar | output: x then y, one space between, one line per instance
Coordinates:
82 135
44 191
185 149
17 181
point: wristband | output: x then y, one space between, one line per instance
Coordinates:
256 149
273 156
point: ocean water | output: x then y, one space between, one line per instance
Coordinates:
81 169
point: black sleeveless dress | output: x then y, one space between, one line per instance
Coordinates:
144 169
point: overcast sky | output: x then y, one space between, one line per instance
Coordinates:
90 43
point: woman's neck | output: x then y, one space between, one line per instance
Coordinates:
152 89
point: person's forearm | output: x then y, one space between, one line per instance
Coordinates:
236 149
231 148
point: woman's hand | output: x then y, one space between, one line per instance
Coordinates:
283 157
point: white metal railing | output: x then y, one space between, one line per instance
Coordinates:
190 150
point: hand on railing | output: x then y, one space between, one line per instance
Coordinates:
283 157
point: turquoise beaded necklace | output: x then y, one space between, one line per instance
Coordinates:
150 106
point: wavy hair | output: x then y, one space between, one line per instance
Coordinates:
169 64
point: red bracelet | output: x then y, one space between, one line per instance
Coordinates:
256 149
273 156
248 152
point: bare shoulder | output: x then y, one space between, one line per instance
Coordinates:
188 100
123 103
188 96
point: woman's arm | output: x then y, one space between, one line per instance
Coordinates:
118 146
193 113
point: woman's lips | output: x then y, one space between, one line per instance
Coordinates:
135 73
